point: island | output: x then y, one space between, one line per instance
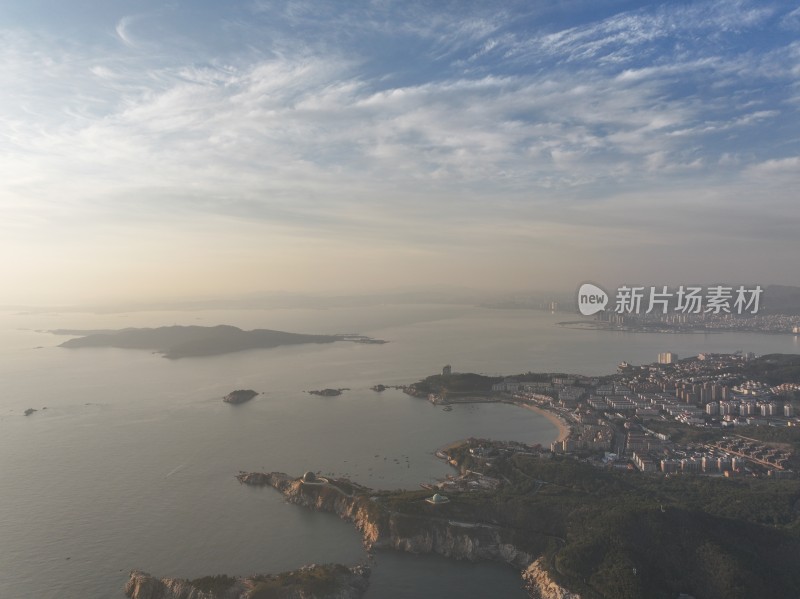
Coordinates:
175 342
329 581
30 411
239 396
328 392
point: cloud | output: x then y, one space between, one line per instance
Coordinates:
791 21
776 167
625 36
409 127
123 30
255 128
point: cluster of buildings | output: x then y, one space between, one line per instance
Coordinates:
562 392
566 396
754 451
697 463
730 456
612 414
728 410
595 437
707 391
671 322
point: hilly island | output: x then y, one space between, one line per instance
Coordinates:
176 342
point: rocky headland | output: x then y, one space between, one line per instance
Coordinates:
540 584
429 529
331 581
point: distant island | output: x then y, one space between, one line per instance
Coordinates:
328 392
176 342
239 396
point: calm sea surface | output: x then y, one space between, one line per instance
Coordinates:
132 464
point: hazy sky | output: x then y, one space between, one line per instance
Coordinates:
204 148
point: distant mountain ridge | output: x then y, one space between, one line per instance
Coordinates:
176 342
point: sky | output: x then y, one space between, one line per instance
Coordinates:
202 149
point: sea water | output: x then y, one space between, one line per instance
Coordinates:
132 463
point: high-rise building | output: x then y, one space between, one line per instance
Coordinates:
667 357
447 370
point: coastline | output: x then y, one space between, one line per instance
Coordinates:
564 430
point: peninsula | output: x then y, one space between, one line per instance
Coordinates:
176 342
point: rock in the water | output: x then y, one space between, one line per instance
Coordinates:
239 396
328 392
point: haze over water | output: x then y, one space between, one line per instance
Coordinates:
132 464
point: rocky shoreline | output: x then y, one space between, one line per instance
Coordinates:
310 582
383 528
427 532
540 584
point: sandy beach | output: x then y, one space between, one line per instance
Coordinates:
563 427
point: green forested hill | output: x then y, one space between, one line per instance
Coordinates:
617 535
